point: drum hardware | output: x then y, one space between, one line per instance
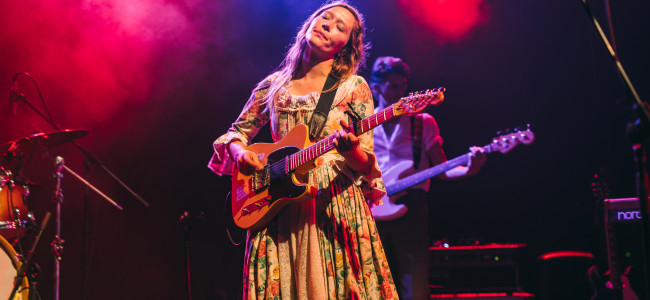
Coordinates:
27 144
57 243
27 264
43 141
61 165
9 264
15 217
52 138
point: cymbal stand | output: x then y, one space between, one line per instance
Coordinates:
20 97
57 243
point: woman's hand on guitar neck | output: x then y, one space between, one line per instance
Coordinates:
246 161
347 144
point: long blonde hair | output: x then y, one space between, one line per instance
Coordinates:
346 62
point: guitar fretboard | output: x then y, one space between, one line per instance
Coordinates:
414 179
327 144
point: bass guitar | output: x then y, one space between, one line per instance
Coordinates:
258 197
390 210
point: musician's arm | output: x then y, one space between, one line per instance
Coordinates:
229 148
245 161
476 160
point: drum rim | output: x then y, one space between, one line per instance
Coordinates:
24 286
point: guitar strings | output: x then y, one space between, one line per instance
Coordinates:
279 166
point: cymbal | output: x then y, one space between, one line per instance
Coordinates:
44 140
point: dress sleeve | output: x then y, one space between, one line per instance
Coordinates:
370 182
253 117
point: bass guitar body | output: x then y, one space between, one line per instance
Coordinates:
390 210
253 207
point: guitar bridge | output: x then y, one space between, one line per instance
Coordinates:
261 179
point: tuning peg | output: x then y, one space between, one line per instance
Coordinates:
521 128
503 132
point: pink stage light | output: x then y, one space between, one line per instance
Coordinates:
448 20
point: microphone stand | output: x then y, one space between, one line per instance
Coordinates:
638 132
187 222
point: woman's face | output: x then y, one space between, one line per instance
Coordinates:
329 32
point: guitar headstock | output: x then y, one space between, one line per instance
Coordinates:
600 188
418 102
506 142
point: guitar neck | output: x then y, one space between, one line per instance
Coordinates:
612 259
616 290
327 144
414 179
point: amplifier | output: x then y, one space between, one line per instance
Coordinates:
470 269
624 210
485 296
624 216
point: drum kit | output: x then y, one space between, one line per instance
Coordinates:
16 219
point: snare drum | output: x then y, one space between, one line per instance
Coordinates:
14 215
9 266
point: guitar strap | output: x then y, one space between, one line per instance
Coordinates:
416 134
319 117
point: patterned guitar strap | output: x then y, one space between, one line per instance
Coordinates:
416 135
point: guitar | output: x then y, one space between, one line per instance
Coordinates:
258 197
618 287
389 210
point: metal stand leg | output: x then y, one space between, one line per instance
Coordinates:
57 243
187 221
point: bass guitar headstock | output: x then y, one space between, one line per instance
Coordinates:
509 140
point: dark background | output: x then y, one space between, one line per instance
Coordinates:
155 82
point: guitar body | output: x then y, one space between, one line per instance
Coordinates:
258 197
252 209
389 210
603 289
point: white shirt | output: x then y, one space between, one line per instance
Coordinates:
395 153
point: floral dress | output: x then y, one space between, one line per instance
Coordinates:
328 247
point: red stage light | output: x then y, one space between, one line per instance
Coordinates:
449 20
